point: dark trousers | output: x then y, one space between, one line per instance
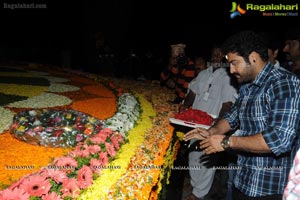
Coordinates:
237 195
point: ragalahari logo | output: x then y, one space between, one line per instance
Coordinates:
236 10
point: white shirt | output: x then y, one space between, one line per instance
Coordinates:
212 89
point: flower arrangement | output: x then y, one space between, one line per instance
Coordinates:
15 153
54 128
128 112
68 175
85 172
90 156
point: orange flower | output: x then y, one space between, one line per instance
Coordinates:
100 108
98 90
19 158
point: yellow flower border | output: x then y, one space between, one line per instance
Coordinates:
119 166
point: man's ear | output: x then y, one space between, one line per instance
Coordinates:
253 57
275 52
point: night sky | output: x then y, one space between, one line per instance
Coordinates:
126 24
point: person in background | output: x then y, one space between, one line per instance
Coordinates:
211 91
169 75
292 50
274 45
267 113
180 71
292 189
200 64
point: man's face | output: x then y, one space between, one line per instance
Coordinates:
216 55
292 50
244 72
200 64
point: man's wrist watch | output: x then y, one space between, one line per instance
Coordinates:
225 143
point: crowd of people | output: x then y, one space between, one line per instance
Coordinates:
255 100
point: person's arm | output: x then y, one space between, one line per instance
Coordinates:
225 108
279 135
220 128
188 101
254 143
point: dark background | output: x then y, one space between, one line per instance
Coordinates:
45 35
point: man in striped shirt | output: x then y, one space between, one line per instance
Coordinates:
179 73
267 113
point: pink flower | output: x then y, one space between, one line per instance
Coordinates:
110 149
85 177
66 164
79 153
70 187
103 158
93 149
36 185
58 119
120 137
79 137
98 138
30 132
57 175
49 129
18 183
51 196
106 131
96 166
115 140
15 194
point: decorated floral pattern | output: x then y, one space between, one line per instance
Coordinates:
6 118
54 128
67 175
58 87
103 165
128 112
43 100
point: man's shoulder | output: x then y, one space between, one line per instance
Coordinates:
281 78
282 73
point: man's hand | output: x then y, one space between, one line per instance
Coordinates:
212 144
197 133
182 108
171 84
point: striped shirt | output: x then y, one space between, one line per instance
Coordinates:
269 105
182 76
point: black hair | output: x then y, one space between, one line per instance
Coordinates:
244 43
292 34
272 40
